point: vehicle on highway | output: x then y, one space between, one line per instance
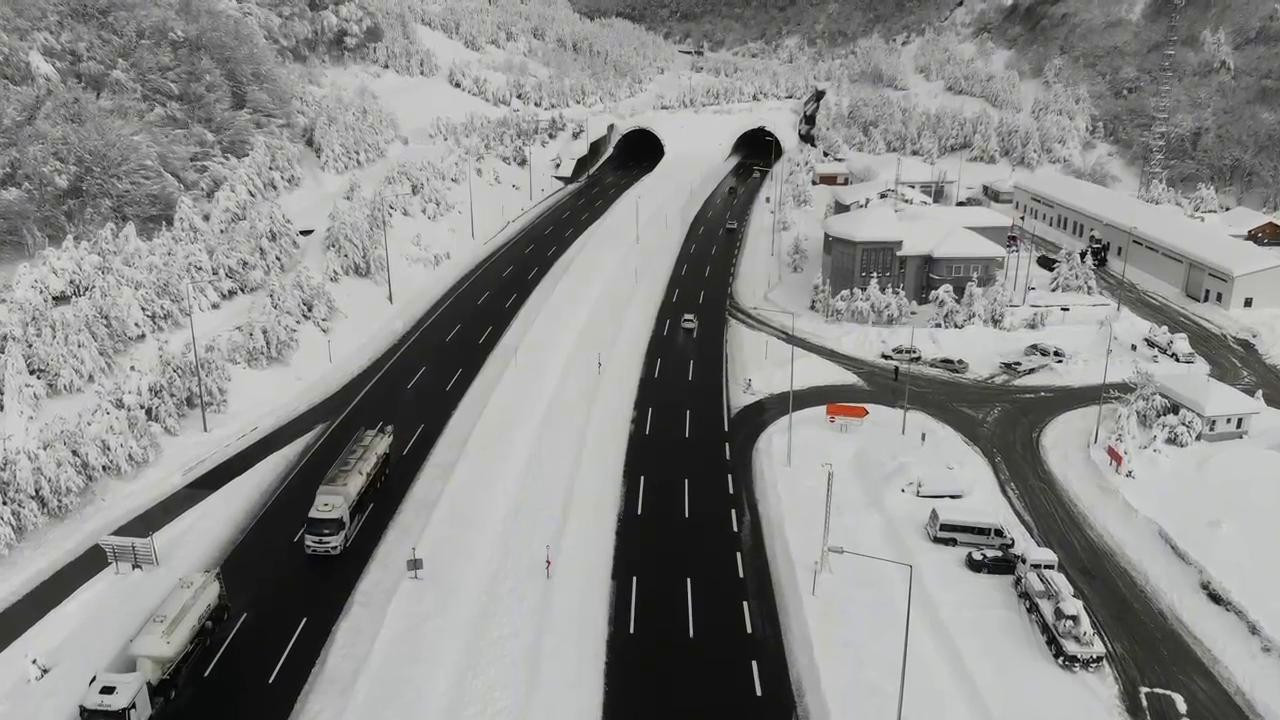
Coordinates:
1024 366
950 364
953 528
162 652
1052 603
1175 345
731 226
689 321
1043 349
733 190
991 562
902 353
341 501
755 173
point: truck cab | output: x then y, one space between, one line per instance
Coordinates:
1036 558
116 696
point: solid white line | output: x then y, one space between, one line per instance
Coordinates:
648 418
746 616
566 212
415 378
225 643
631 624
510 300
739 556
415 437
733 515
730 475
455 377
485 335
485 295
286 651
504 272
724 410
552 250
666 327
640 497
692 246
700 297
452 333
686 497
755 673
657 367
295 537
683 268
688 593
675 295
687 413
691 370
531 274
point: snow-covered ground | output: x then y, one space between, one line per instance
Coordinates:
90 631
973 651
765 361
1215 503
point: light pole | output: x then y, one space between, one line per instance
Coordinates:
906 632
471 198
906 397
1097 425
824 563
386 252
1124 269
195 352
791 391
1026 287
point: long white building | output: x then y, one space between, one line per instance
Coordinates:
1191 256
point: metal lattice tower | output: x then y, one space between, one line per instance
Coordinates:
1157 141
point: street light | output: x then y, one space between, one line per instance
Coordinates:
906 397
1097 424
791 391
195 353
906 633
385 251
1124 269
823 562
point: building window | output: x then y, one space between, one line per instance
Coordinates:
1213 425
878 261
957 270
1118 251
1239 423
975 271
1218 298
1248 302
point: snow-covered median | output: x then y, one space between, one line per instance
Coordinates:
973 651
1213 503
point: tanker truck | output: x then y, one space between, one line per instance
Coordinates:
342 500
1051 602
161 652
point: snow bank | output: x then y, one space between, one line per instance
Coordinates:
766 362
973 651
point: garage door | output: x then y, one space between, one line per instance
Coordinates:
1151 261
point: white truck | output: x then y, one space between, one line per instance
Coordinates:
1052 603
1175 345
341 503
162 651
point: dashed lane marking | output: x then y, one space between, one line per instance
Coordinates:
225 643
287 648
455 378
415 437
415 377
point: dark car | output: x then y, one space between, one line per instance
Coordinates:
1053 352
991 562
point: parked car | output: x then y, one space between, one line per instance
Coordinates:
731 226
755 173
1053 352
950 364
689 321
952 527
1048 262
902 353
1025 366
991 562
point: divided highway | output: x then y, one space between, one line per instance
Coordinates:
694 630
284 602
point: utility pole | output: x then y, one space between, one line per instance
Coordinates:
530 163
824 562
195 353
791 389
1124 269
1097 425
385 249
471 198
637 220
906 397
1026 287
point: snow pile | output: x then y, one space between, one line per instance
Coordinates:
1196 524
760 365
973 651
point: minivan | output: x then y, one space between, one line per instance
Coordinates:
951 530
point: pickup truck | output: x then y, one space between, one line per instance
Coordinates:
1175 345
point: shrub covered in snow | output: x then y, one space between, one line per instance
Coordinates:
505 137
947 312
348 129
966 72
401 50
270 334
1073 274
427 183
353 242
797 255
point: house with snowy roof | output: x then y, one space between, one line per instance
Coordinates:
917 248
1226 412
1249 224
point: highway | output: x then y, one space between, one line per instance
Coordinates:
694 631
285 602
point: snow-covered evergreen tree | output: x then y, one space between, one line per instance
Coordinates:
898 308
995 306
947 312
1158 193
348 129
1203 200
1073 274
815 292
22 396
840 305
354 240
877 302
797 255
972 304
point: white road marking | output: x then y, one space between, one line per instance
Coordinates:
286 651
568 232
657 367
688 593
755 673
415 377
700 229
730 476
359 524
631 624
708 272
566 213
726 450
504 272
648 418
675 295
598 202
640 497
513 297
455 377
485 335
459 326
552 250
686 422
692 246
686 497
666 326
295 537
738 554
700 296
527 249
690 370
225 643
713 249
683 268
415 437
485 295
531 274
733 515
746 616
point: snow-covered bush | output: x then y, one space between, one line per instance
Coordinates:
1203 200
22 395
271 167
401 50
348 129
353 242
269 335
424 254
995 306
947 312
797 255
1217 48
1073 274
1180 429
304 297
1036 320
965 72
1157 192
427 181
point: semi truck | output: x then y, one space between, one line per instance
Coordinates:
342 500
161 652
1175 345
1051 602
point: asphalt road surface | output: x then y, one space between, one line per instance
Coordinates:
1148 648
694 630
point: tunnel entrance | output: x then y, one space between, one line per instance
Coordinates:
638 146
757 145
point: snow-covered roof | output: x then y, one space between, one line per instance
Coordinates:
1240 220
915 170
834 167
1204 242
858 193
1206 396
1002 185
972 216
877 223
940 240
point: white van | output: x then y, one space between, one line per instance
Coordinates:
951 528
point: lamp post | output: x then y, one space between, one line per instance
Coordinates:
1097 424
386 252
906 632
824 563
906 397
791 391
471 198
195 353
1124 269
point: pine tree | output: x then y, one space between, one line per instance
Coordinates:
946 310
898 308
1073 274
815 293
877 301
22 395
797 255
995 306
972 304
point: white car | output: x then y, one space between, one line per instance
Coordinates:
902 353
731 226
755 173
689 321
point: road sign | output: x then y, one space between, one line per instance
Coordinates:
844 414
1116 457
414 563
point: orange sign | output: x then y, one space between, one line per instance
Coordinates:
841 412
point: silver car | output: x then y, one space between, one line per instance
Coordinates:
902 353
950 364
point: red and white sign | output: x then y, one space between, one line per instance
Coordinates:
843 414
1117 457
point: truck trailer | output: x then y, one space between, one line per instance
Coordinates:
1051 602
161 652
341 501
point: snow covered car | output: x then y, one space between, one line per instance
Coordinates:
1026 366
755 173
689 321
733 190
1053 352
731 226
950 364
902 353
991 562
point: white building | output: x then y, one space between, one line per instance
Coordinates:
1195 257
1226 412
